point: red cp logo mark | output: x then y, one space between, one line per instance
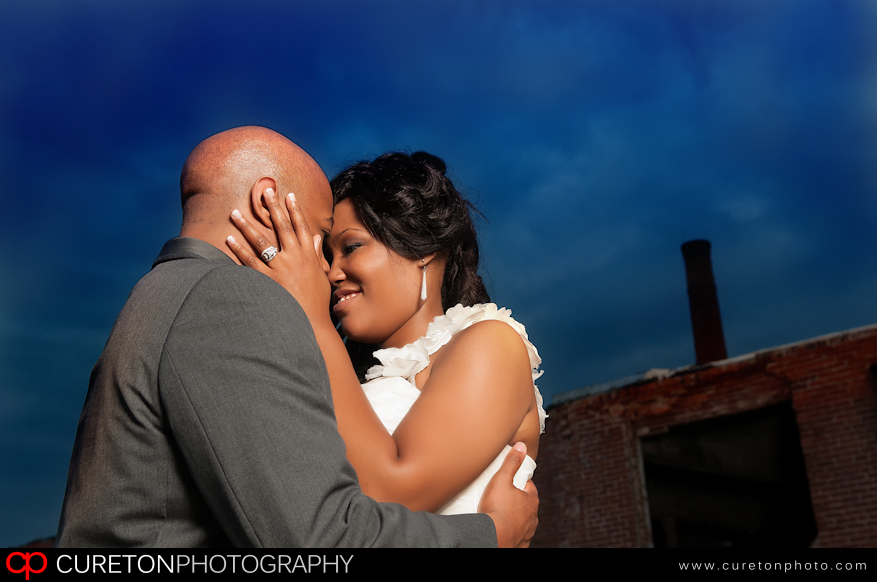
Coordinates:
27 569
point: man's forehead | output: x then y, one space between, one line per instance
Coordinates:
325 205
314 195
318 213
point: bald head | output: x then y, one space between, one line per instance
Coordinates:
222 174
225 166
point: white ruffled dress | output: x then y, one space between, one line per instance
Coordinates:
391 390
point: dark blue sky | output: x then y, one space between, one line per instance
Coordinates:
595 136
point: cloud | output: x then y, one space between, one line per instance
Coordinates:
743 208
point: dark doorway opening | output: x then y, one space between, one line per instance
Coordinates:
733 481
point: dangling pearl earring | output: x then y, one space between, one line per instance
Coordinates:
423 285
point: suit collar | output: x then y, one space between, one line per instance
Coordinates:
190 248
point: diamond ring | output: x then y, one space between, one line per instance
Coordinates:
269 254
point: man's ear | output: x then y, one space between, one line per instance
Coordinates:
257 200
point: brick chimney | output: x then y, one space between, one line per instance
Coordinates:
706 321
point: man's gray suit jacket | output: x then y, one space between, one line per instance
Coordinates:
209 422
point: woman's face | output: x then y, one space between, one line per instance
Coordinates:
376 291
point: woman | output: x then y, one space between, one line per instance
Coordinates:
446 397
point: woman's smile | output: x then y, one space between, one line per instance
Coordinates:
342 297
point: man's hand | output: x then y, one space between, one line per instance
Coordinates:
514 512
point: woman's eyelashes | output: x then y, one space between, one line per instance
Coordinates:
350 247
343 250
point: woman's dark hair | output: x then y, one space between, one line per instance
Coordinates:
408 204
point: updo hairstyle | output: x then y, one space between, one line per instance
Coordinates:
407 203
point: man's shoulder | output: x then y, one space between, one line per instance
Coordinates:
210 295
171 279
156 299
240 284
185 264
239 292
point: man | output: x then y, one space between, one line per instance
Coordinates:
208 419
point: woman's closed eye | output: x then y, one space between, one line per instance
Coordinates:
350 247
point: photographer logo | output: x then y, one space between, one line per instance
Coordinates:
26 567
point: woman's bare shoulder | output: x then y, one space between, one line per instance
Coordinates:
489 354
487 339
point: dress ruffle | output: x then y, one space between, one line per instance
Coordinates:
408 361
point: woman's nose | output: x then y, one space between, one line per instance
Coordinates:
334 272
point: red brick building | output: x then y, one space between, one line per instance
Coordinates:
776 448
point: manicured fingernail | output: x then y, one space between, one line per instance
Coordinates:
292 197
520 447
236 213
270 192
231 240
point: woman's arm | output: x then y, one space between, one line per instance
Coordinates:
478 392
